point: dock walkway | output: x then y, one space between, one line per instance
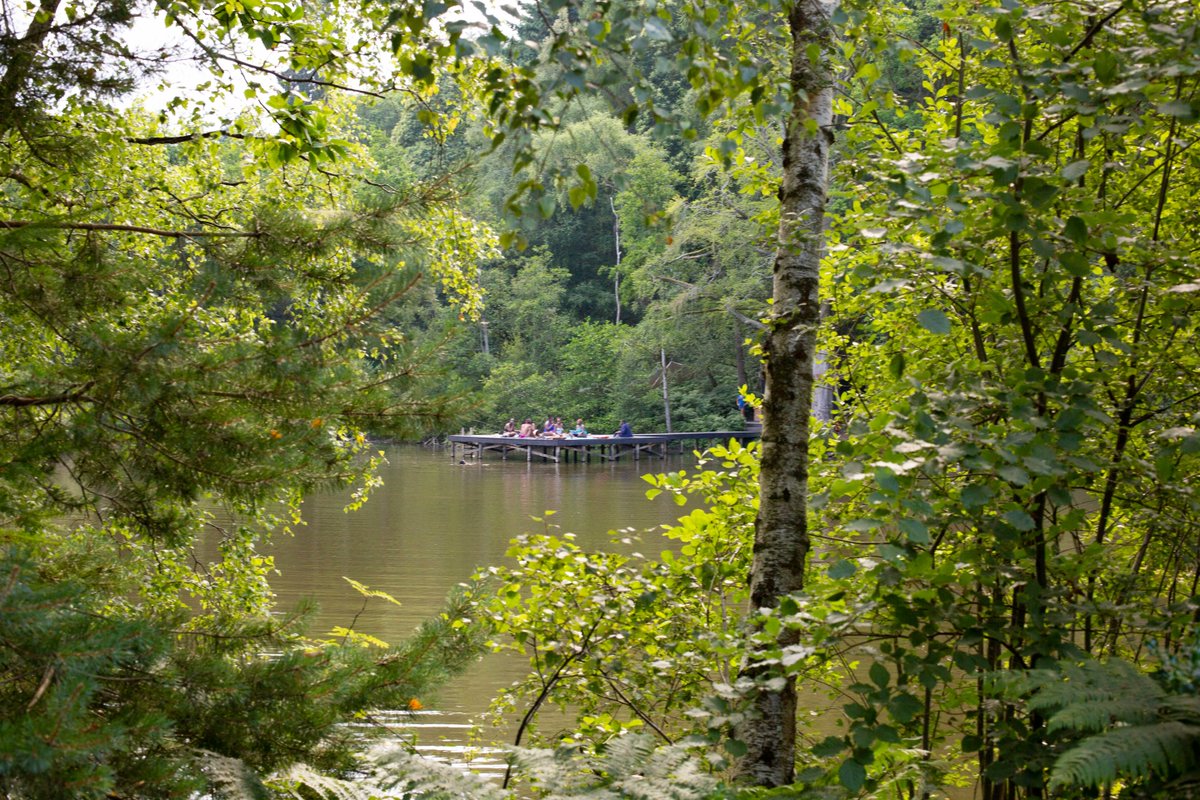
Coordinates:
607 448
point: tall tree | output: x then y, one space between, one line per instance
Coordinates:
781 540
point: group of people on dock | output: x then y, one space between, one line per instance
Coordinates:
553 428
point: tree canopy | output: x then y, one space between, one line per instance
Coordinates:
195 335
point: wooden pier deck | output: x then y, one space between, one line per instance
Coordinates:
606 448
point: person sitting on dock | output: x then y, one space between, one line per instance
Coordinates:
554 429
528 430
625 431
579 430
510 427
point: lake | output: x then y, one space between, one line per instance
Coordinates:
430 526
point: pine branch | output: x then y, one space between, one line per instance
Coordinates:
15 224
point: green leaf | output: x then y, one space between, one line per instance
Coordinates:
915 530
1076 230
904 707
1105 66
1180 109
1075 170
1019 519
657 30
975 496
868 70
842 569
829 746
934 321
852 775
879 675
1014 475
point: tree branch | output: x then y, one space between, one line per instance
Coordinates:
14 224
187 137
1092 31
24 401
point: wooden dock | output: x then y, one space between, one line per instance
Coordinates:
605 448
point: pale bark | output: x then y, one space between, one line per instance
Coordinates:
781 530
617 271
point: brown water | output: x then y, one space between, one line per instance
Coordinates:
431 525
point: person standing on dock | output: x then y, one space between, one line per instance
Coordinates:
624 431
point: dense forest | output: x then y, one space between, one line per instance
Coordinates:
971 225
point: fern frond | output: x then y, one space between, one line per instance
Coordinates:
1093 696
301 782
394 773
1101 713
1132 753
401 773
1182 707
632 767
230 778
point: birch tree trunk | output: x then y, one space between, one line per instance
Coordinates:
781 530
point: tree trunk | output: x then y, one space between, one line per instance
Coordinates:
781 530
739 352
612 203
666 397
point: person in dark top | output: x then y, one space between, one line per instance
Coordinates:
624 430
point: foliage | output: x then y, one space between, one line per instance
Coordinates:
590 383
632 766
1011 285
630 641
1008 285
1133 729
95 700
199 329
